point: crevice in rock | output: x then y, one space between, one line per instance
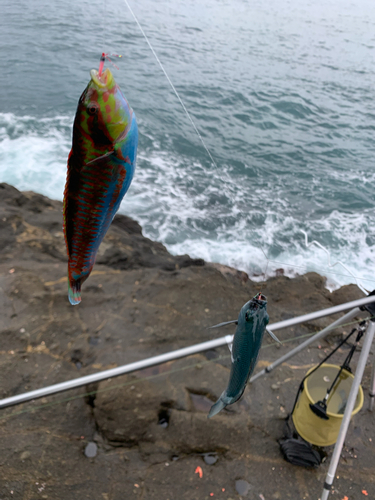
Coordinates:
163 417
90 397
164 413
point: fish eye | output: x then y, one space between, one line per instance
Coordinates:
248 316
92 108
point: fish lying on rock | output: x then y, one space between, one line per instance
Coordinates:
100 169
251 324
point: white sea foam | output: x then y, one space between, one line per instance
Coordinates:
204 214
179 218
33 153
258 259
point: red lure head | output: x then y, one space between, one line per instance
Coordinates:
103 57
101 64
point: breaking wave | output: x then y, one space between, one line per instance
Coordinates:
221 216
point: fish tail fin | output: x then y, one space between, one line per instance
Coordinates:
216 408
74 291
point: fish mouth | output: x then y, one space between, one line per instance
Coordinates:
257 303
259 297
103 80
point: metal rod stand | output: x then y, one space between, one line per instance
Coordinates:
194 349
323 333
349 409
372 388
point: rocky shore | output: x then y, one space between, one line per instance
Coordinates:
146 435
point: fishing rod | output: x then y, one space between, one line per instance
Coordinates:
354 307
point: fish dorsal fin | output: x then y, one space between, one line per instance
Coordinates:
225 323
272 335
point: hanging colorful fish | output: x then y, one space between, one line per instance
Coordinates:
251 324
100 169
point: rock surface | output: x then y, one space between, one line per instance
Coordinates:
150 427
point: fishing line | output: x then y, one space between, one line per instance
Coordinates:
171 84
132 382
151 377
320 268
265 271
105 57
215 164
329 259
351 275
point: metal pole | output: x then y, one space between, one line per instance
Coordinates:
348 411
180 353
372 388
317 314
347 317
113 372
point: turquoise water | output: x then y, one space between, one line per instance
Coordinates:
281 91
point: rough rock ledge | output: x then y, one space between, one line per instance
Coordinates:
150 427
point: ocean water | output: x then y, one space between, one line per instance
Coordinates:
281 91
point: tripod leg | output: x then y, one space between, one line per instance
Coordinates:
372 388
349 408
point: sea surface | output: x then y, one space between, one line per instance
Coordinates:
281 91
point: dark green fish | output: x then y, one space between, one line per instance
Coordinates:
251 324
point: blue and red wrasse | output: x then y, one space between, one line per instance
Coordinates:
100 169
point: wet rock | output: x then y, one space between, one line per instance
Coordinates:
211 354
210 458
242 487
94 340
34 221
123 418
186 261
141 301
231 272
25 455
127 224
91 450
346 293
201 402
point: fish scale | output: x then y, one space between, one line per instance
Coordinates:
100 169
95 210
252 322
